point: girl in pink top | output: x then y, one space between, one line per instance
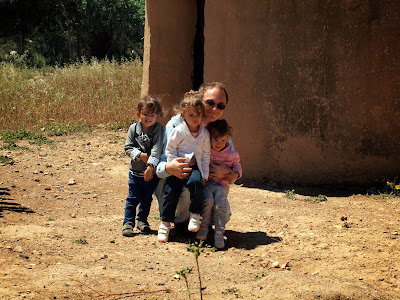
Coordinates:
216 190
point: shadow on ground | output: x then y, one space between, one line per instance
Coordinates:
249 240
7 203
337 190
235 239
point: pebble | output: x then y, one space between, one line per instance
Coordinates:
275 264
71 181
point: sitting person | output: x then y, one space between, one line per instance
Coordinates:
215 98
217 189
191 140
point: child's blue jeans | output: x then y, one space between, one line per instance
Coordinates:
140 193
172 192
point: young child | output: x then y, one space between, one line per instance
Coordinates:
190 140
216 190
143 145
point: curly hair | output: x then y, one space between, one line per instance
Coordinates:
190 99
150 103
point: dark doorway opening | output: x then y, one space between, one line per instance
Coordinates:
198 47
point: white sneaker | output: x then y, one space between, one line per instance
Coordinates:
194 223
163 233
219 240
202 233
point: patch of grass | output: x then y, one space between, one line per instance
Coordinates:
10 138
88 93
316 199
59 236
60 129
230 291
13 146
50 219
6 159
156 218
82 240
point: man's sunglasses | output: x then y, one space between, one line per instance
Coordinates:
212 104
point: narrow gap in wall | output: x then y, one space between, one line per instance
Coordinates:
198 47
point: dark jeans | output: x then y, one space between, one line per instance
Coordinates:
140 193
173 190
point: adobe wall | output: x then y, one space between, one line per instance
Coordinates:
168 45
314 86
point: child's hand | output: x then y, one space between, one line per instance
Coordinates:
144 157
148 174
204 182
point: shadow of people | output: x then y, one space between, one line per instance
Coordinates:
7 203
248 240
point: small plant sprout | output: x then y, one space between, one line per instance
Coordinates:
260 275
82 240
290 194
184 272
197 248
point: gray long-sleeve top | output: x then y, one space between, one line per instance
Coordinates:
138 142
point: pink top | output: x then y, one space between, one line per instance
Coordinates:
231 160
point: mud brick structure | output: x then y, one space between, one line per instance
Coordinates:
314 86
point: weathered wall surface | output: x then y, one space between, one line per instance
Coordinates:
168 60
314 86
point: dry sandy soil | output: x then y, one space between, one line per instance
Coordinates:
62 206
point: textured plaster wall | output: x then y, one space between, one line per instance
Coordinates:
168 46
314 86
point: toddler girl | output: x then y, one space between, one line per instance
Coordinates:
190 140
216 190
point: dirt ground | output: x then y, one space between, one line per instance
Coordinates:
61 212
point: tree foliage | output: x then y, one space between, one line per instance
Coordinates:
65 30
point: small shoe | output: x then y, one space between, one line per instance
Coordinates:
163 233
219 240
194 223
143 226
127 229
202 233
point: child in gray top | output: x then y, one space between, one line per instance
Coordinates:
143 145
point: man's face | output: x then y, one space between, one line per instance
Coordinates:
217 96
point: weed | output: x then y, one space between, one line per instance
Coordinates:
391 188
82 240
50 219
290 194
259 275
197 248
184 272
59 236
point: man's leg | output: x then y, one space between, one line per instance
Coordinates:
173 189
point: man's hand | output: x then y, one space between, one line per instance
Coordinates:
218 170
177 167
148 174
